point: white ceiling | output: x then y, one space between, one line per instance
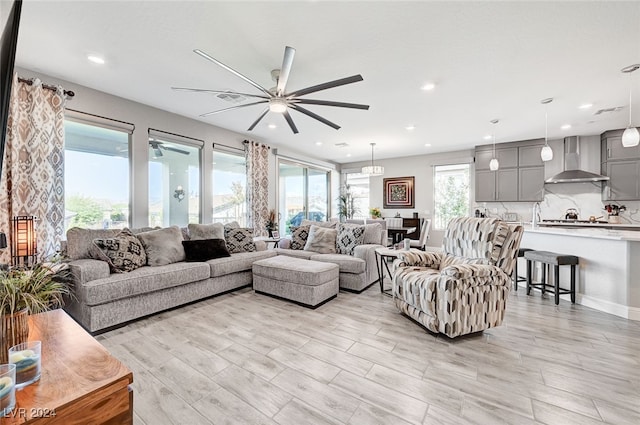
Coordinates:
488 59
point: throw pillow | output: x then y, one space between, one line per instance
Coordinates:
349 236
123 252
373 233
240 240
327 224
163 246
206 231
205 249
299 236
321 240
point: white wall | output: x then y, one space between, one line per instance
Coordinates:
145 117
421 167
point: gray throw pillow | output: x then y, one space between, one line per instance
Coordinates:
349 236
373 233
240 240
163 246
123 252
206 231
321 240
299 236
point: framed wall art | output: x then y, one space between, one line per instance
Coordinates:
399 192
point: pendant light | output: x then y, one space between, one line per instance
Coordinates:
546 154
373 170
630 137
494 164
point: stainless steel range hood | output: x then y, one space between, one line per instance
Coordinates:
572 172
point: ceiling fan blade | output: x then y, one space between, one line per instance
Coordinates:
259 119
233 71
169 148
234 107
331 103
287 63
315 116
290 122
218 91
325 86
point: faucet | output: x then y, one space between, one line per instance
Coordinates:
535 215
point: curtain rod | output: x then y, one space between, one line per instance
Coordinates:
27 81
213 145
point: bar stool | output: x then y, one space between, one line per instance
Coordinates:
556 260
515 276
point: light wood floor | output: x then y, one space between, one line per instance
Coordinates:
244 358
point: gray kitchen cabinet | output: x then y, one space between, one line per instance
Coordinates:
507 158
529 156
507 184
485 186
615 150
531 184
624 183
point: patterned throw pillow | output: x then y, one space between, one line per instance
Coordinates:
349 236
299 237
321 240
240 240
123 252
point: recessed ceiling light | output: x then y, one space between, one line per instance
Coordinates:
427 145
585 106
410 127
566 127
487 137
348 155
95 59
318 143
272 126
428 86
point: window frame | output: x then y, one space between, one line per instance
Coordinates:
460 165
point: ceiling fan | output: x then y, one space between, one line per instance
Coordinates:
278 99
158 147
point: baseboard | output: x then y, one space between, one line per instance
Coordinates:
631 313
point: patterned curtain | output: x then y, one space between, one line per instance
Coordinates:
257 156
32 181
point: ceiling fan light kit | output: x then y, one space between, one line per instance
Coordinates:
278 100
546 154
631 136
372 170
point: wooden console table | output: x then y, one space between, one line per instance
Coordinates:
81 383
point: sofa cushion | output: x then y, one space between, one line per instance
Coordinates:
205 249
240 240
295 253
123 252
80 241
163 246
239 262
302 272
346 263
299 236
206 231
321 240
141 281
349 236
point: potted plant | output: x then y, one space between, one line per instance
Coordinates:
271 222
375 212
346 203
25 291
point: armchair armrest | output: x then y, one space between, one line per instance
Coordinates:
431 260
473 271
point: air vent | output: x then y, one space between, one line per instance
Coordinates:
231 97
607 110
341 145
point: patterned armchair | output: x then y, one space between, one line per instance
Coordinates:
464 288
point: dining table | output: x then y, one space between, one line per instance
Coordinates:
397 234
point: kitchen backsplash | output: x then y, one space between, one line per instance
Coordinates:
584 197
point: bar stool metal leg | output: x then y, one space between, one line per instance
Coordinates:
556 278
573 284
529 277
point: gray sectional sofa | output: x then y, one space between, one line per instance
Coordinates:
104 299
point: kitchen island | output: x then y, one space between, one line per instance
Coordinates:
609 271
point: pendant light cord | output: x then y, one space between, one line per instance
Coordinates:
630 91
546 124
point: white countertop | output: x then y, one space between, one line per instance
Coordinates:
592 225
587 232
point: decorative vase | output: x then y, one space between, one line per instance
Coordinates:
270 233
14 330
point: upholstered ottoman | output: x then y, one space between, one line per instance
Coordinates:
310 283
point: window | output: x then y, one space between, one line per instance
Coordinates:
229 188
174 183
304 194
451 193
96 177
359 187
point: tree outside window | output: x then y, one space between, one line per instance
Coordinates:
451 193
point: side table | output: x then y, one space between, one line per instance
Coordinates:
267 240
383 255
